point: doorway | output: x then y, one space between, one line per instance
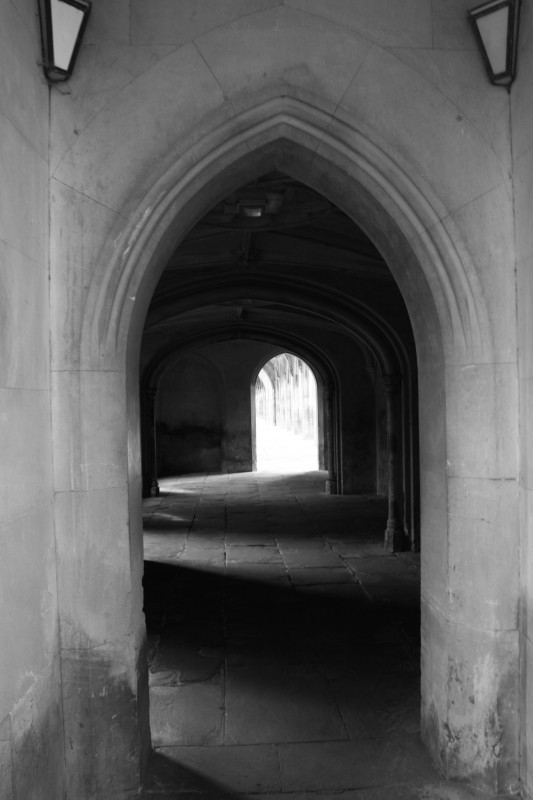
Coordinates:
286 416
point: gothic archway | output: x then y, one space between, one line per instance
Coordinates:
451 329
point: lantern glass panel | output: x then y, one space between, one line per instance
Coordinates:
493 31
66 24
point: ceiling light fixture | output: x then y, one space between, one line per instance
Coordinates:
252 210
495 25
62 25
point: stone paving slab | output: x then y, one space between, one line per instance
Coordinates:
168 780
236 769
373 708
206 525
215 561
382 588
336 591
161 556
205 541
172 538
355 549
310 576
354 764
210 554
195 664
419 791
257 536
252 554
291 629
267 704
257 573
194 794
380 565
187 715
267 650
291 543
311 557
213 567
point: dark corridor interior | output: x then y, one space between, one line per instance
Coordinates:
274 267
282 609
283 643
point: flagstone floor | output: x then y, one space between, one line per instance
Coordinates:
283 646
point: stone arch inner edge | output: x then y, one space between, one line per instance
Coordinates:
324 372
113 323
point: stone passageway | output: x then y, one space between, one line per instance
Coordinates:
283 645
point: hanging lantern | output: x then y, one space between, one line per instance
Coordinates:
62 25
496 28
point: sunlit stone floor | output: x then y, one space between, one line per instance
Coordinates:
284 645
284 452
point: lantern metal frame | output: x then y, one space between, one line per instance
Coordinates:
52 71
506 77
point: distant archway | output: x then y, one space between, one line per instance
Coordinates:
286 408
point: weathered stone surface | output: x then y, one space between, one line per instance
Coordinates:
196 663
27 439
105 723
31 740
253 554
405 133
422 791
232 769
318 575
522 127
162 24
291 53
6 760
292 706
187 715
23 284
38 741
335 766
379 20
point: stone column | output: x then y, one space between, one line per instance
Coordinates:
394 533
149 451
330 433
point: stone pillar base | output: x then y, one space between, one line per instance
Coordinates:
394 540
331 486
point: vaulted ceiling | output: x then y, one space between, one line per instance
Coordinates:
274 256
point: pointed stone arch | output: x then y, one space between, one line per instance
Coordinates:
454 346
404 222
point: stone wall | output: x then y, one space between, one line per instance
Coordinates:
31 737
190 418
385 109
522 120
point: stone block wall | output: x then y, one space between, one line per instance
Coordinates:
522 122
384 108
31 730
190 418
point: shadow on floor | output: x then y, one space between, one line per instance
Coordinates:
167 779
184 605
283 644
